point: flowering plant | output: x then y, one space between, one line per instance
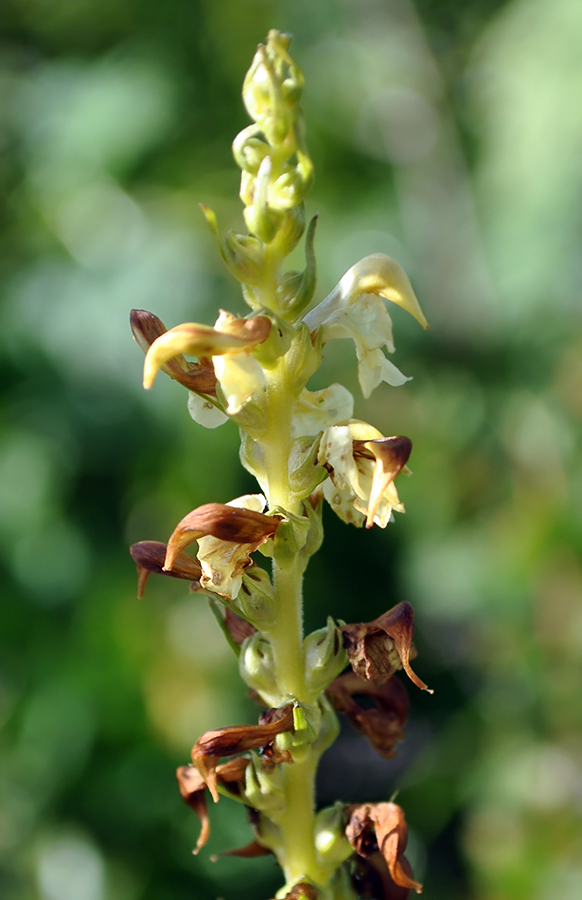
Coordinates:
303 447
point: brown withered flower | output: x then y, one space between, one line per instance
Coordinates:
227 533
374 827
150 556
378 649
213 745
199 376
229 775
383 723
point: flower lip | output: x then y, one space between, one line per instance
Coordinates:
147 328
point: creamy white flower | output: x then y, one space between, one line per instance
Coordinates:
362 465
317 410
354 309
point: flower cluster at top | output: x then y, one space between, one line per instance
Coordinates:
303 447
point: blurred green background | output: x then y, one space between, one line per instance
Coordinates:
447 134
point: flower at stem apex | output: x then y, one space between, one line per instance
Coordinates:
150 556
377 649
362 467
227 533
381 826
208 749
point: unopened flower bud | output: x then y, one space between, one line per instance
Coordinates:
333 848
243 255
325 657
257 668
256 599
290 228
305 473
296 289
249 151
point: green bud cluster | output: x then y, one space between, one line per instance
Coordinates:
276 173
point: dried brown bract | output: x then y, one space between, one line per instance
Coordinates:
382 827
383 723
213 745
149 557
378 649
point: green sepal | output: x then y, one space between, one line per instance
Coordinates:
269 352
255 601
257 668
315 533
325 657
332 846
243 255
290 538
305 473
303 357
248 150
296 289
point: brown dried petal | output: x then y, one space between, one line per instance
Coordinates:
391 455
227 523
199 377
383 724
236 739
149 557
193 790
382 826
369 652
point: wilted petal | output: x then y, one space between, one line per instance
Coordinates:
383 723
193 788
200 377
382 826
375 648
149 557
236 739
317 410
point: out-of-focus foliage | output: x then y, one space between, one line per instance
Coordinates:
450 136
